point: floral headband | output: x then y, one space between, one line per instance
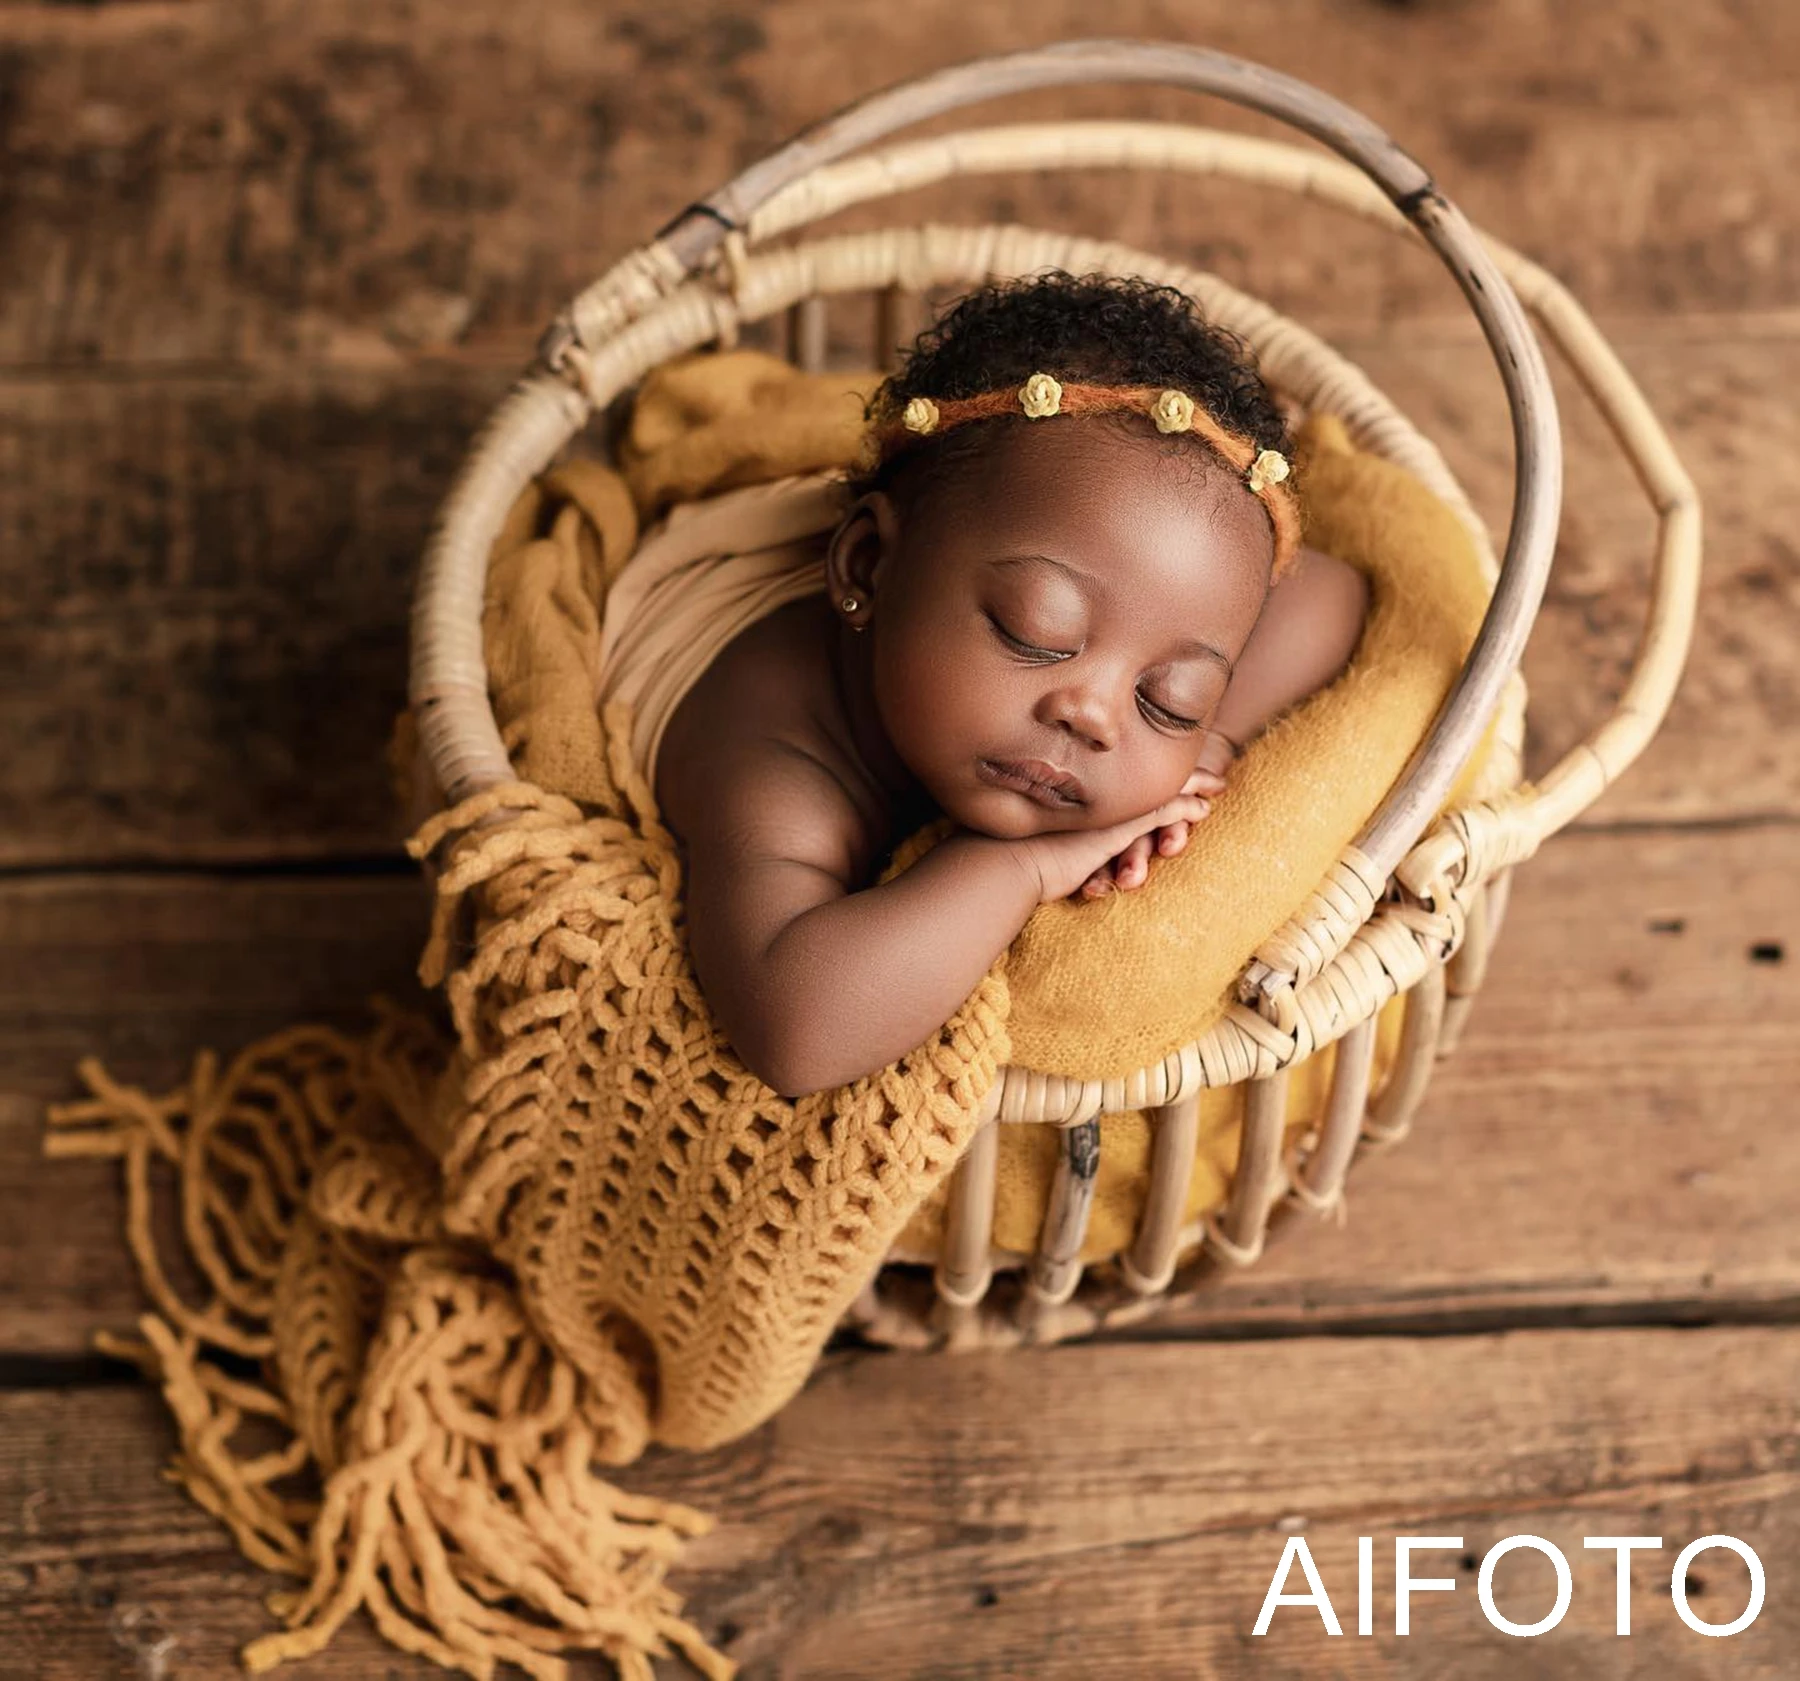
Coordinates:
1264 472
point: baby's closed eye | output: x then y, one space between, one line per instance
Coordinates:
1025 645
1166 714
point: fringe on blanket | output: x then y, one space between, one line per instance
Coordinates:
433 1283
413 1446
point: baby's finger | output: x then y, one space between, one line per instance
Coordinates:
1184 808
1099 882
1203 781
1171 838
1133 864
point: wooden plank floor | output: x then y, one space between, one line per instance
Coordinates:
263 270
1086 1510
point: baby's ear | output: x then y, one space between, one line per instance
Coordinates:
865 537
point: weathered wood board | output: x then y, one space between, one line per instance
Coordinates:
205 586
1075 1512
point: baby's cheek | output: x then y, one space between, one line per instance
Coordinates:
1154 779
935 703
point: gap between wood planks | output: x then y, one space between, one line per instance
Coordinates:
62 1372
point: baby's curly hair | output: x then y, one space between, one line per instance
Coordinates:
1094 329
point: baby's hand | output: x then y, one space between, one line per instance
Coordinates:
1131 867
1059 862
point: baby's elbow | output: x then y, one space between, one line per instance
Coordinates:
803 1061
782 1058
794 1085
792 1079
758 1017
785 1031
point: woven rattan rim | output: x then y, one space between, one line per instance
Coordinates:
1336 963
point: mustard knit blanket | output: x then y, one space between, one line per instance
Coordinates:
468 1274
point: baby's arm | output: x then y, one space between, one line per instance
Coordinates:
815 984
1305 637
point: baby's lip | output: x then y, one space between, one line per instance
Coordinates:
1048 784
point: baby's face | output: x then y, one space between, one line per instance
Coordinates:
1051 630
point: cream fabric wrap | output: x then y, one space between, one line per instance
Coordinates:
708 571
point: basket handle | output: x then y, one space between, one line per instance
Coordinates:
689 241
1531 815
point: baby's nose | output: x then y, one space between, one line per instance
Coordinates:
1085 713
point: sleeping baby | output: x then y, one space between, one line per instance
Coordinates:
1067 588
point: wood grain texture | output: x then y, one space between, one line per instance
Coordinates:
1089 1511
145 972
204 584
1608 1139
203 601
213 182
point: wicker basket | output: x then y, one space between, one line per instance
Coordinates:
1412 907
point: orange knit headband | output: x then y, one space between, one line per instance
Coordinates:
1264 471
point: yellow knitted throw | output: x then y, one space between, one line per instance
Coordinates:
675 1244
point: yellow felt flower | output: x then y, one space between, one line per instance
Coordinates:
1173 411
920 415
1039 396
1268 468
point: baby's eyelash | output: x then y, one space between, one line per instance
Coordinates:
1170 720
1020 645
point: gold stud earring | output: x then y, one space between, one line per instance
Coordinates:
850 604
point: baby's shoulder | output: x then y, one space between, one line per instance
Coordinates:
754 756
